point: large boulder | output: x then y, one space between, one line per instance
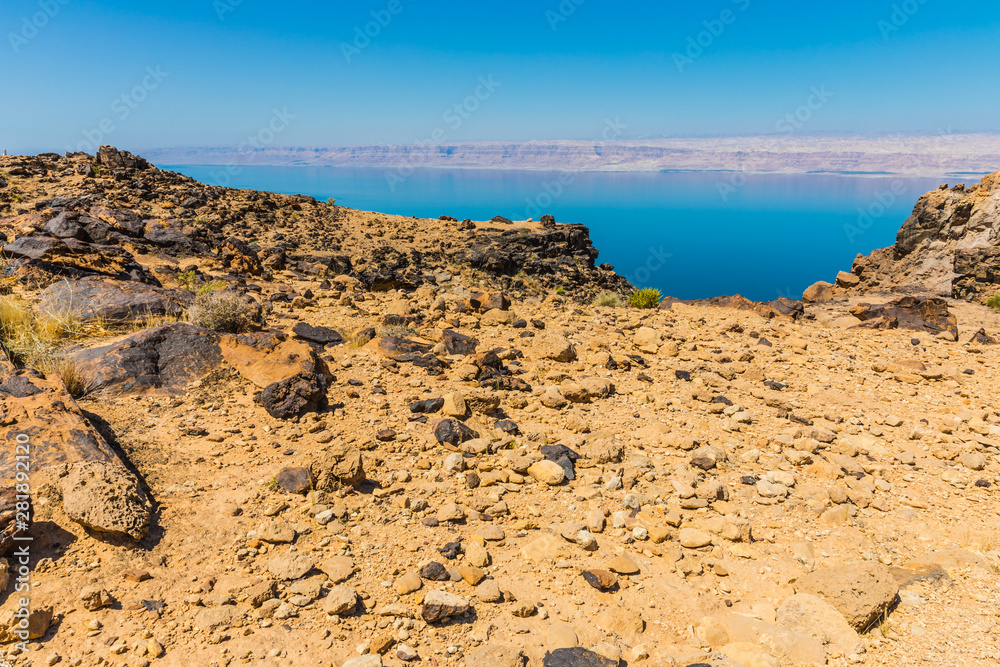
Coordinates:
106 498
862 592
819 292
265 358
110 157
115 301
67 451
164 358
295 396
810 615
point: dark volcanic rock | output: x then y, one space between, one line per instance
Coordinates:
318 335
294 480
456 343
112 158
913 313
162 358
85 258
983 338
562 256
65 226
295 396
116 301
453 432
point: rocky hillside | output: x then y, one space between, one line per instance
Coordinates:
261 429
79 215
950 245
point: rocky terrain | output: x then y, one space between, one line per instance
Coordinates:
948 246
266 430
788 152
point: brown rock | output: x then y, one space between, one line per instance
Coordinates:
862 592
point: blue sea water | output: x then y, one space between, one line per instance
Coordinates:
690 234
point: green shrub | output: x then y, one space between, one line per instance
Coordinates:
608 300
994 302
645 298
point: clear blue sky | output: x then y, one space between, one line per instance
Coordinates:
225 66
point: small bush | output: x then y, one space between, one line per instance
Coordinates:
994 302
222 311
645 298
608 300
188 279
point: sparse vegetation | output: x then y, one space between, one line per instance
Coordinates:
222 311
560 290
354 341
608 300
994 302
645 298
31 340
398 331
213 286
188 279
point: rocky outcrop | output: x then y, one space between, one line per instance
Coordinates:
113 301
560 257
915 314
950 245
164 358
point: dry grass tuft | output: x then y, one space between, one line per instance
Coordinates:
32 341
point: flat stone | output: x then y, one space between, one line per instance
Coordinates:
439 605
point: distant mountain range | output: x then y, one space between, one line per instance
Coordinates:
905 154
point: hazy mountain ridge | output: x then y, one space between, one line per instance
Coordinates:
922 155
